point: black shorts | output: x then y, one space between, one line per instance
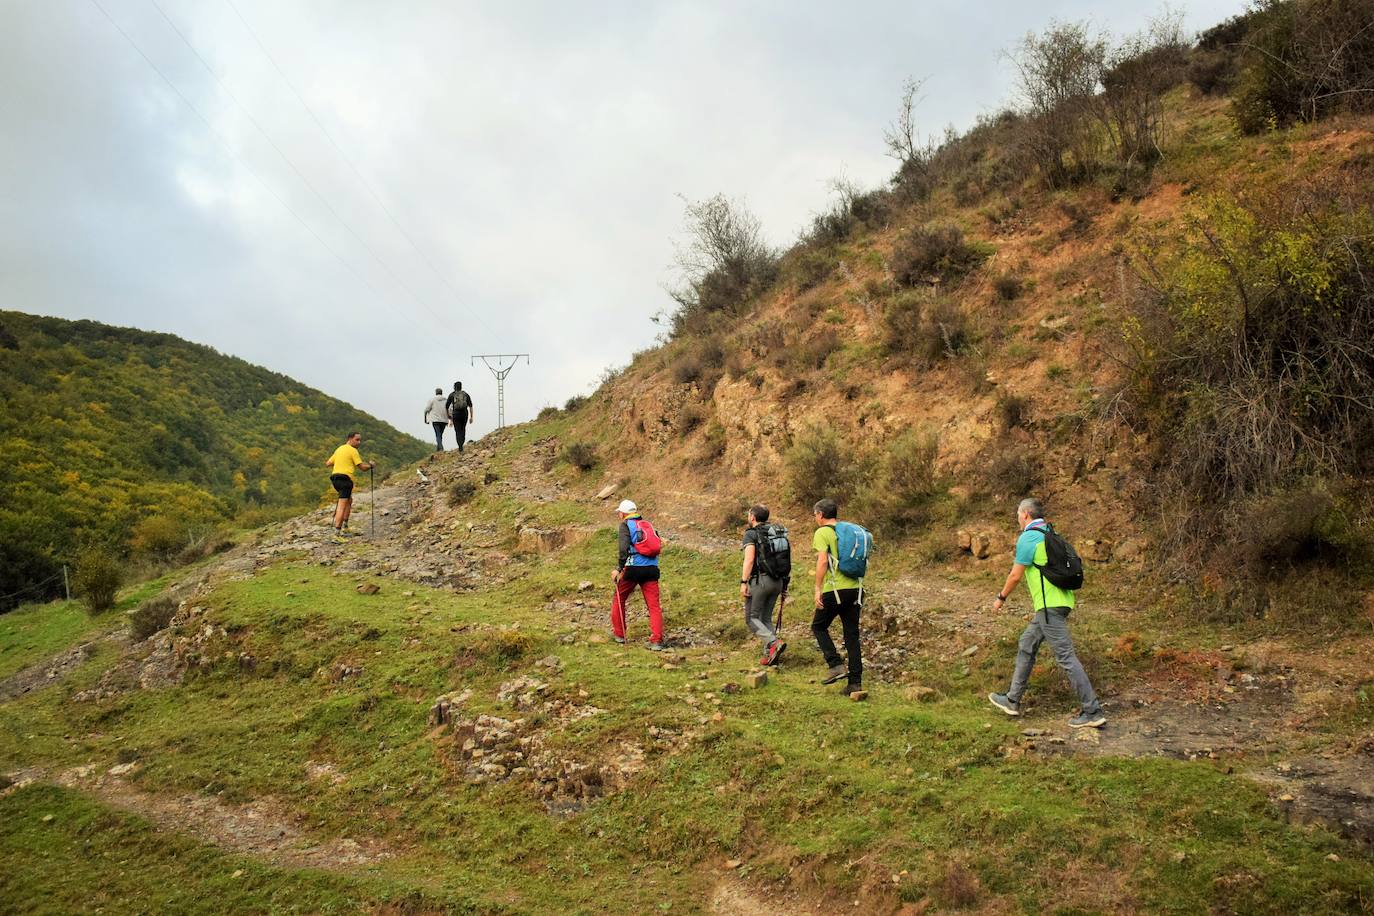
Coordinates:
343 485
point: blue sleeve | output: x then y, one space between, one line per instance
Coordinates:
1025 547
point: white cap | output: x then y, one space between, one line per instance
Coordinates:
628 507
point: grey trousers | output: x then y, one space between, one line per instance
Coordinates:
758 613
1051 625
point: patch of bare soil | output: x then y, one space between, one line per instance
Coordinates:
45 673
259 829
732 896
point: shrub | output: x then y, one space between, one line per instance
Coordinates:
922 331
1247 342
158 536
811 268
812 352
1013 411
1304 60
899 500
575 403
1135 76
152 616
713 445
96 580
1059 71
1010 473
724 264
581 455
1008 286
701 364
934 253
461 491
547 413
821 464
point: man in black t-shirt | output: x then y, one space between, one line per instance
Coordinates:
460 413
759 590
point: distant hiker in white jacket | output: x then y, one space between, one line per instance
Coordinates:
436 415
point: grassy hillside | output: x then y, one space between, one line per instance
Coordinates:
276 749
108 429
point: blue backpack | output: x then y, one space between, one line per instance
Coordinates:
855 547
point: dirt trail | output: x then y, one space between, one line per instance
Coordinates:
258 829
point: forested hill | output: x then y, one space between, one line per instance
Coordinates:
143 442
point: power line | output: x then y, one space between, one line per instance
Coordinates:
223 141
338 148
292 165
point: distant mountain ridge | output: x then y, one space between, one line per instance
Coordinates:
107 428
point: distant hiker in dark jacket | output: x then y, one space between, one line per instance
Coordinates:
436 415
635 569
460 413
1050 622
837 595
759 589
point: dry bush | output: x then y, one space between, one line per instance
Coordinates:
1013 412
1304 60
152 616
934 252
1059 71
922 331
821 464
1135 76
702 363
812 352
899 498
1010 473
96 580
723 265
960 888
581 455
575 403
1008 286
460 492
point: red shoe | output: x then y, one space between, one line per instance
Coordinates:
775 650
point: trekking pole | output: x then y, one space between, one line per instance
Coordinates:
372 492
782 600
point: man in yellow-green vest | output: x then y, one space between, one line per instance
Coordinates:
1052 605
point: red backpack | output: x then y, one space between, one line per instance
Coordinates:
644 539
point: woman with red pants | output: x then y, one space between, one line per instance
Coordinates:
637 566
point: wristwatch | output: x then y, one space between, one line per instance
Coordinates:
743 581
1001 597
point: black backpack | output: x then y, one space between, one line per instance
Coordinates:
774 555
1063 566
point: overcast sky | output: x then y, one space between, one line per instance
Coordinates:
530 156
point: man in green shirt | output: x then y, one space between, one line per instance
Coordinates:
837 595
1049 623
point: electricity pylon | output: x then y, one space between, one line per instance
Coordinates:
500 370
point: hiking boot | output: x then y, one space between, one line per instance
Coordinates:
774 652
1005 703
620 640
352 534
851 687
1088 720
835 673
339 539
656 647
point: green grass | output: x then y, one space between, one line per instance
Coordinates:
35 632
792 775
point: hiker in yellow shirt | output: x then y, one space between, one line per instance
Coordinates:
343 463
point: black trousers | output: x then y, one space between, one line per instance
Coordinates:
460 432
439 436
847 608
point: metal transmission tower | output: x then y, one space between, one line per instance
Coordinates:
501 370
